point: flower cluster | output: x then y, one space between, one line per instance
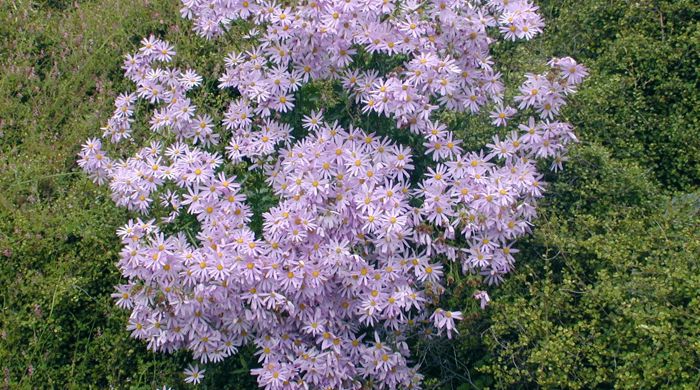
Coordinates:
350 261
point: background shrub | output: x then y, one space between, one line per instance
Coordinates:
606 290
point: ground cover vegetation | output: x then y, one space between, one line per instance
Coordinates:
604 293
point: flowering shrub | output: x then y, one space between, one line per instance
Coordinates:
349 263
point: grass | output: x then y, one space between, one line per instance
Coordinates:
58 326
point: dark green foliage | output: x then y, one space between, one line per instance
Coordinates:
641 100
606 294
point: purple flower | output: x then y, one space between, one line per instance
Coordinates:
483 298
350 258
194 374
